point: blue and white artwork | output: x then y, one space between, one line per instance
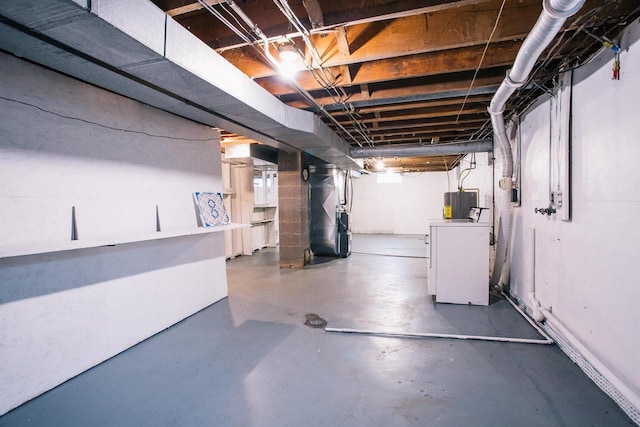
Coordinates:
211 209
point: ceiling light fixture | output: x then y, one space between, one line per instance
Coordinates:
288 52
289 58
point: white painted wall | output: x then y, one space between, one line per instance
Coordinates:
406 207
64 312
587 269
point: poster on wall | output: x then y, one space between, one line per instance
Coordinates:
211 209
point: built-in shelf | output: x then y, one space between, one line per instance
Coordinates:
262 221
264 206
49 247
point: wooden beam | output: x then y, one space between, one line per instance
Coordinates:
443 137
364 91
413 97
427 133
345 76
439 110
342 41
421 163
376 122
445 111
421 65
418 127
409 106
265 14
429 85
192 7
315 13
419 140
445 125
468 26
441 30
445 134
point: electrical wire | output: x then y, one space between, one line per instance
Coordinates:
446 168
322 75
350 177
389 255
593 19
255 36
472 166
226 22
547 69
224 7
63 116
484 53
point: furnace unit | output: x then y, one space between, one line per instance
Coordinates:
330 228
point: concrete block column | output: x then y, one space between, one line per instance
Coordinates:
293 204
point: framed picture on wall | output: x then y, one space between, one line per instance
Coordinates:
211 209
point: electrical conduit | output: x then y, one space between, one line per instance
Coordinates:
434 335
546 341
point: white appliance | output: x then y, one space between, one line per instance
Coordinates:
459 260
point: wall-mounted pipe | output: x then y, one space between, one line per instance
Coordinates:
553 16
480 146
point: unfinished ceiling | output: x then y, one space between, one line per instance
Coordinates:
389 72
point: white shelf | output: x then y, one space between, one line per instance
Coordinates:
262 221
43 248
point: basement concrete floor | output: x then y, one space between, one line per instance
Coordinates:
249 360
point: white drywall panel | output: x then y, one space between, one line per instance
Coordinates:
406 207
113 160
397 208
74 310
65 143
586 270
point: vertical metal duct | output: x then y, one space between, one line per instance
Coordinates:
327 201
551 20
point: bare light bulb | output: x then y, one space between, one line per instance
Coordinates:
288 52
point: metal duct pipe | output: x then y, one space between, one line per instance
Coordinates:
481 146
553 16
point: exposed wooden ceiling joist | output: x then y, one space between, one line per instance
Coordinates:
405 71
404 89
420 65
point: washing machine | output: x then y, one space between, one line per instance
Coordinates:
459 259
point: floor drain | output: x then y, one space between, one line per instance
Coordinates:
315 321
